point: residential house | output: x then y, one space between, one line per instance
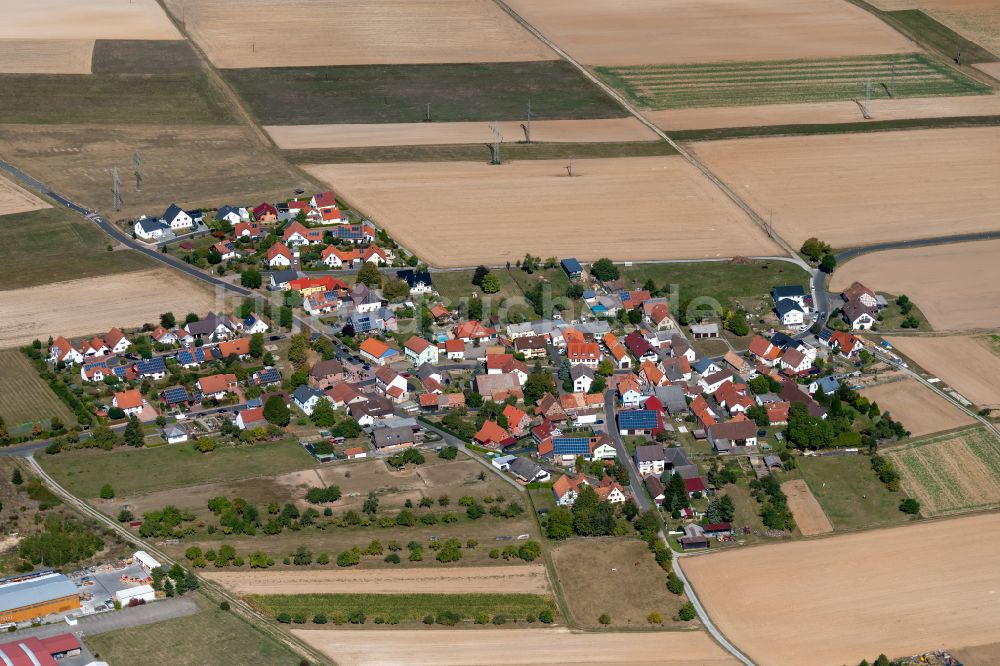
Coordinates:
175 395
777 412
297 233
177 219
649 459
680 347
583 353
572 268
266 376
473 331
724 436
582 378
655 488
250 419
377 351
764 351
440 313
492 436
862 293
610 491
518 422
739 365
794 293
794 362
659 317
306 398
279 256
226 249
848 345
419 282
265 213
152 368
651 375
695 487
281 280
640 422
391 384
734 400
672 399
829 386
150 228
548 407
527 471
162 336
391 439
376 255
628 391
325 374
130 401
419 351
712 382
859 316
232 214
633 300
531 346
324 201
700 408
343 395
792 393
62 350
505 364
214 327
566 489
454 349
642 350
499 387
174 433
334 257
250 230
676 369
216 386
375 407
254 324
790 313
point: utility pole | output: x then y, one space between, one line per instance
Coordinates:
495 145
118 188
138 171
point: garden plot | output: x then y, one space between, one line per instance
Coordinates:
809 516
952 473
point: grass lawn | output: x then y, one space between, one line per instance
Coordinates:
25 399
53 244
849 492
405 607
788 81
181 98
209 638
401 93
479 152
134 471
892 317
616 576
453 286
718 280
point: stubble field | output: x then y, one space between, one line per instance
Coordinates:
16 199
189 165
92 305
692 31
962 295
810 113
978 20
299 137
462 214
355 32
526 579
917 407
809 516
875 187
895 591
514 647
951 473
966 363
46 56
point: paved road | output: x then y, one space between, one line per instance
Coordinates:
451 440
920 242
90 625
611 426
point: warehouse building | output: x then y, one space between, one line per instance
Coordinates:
35 595
33 651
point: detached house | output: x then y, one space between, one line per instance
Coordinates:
582 378
377 351
297 233
473 331
848 345
862 293
610 491
724 436
492 436
214 327
391 384
250 230
794 293
419 351
306 398
861 317
794 362
517 421
265 213
583 353
62 350
216 386
567 489
279 256
130 402
419 282
790 313
177 219
641 349
532 346
766 353
150 228
649 459
249 419
232 214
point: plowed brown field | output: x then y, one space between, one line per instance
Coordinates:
301 33
962 295
809 516
839 600
463 214
646 32
966 363
917 407
857 189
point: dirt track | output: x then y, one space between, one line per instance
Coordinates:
963 362
646 32
291 137
514 647
917 407
962 295
857 189
93 19
809 516
463 214
825 112
529 579
94 305
16 199
355 32
46 56
833 601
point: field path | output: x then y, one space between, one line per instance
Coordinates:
527 579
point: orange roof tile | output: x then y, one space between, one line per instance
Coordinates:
374 347
128 399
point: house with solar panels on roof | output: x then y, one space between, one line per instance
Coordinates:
175 396
565 450
152 368
640 422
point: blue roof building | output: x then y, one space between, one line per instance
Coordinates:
571 446
152 366
176 395
639 422
794 291
572 267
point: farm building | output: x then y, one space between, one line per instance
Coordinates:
36 595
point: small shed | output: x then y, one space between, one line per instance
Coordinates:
572 267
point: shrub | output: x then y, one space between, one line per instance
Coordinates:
300 618
283 618
675 584
357 617
319 619
482 618
349 558
448 618
392 558
545 617
604 619
224 606
910 506
654 618
499 618
686 612
428 619
323 559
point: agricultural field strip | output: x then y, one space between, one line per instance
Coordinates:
733 84
24 397
407 607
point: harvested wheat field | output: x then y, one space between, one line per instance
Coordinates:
463 213
15 199
643 32
355 32
514 647
962 295
967 364
90 305
46 56
93 19
296 137
976 20
896 591
917 407
190 165
824 112
528 579
951 473
809 516
991 68
890 186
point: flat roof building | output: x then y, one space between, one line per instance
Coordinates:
31 596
